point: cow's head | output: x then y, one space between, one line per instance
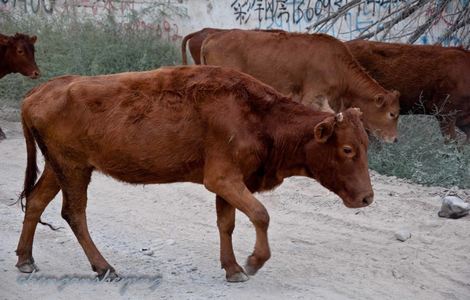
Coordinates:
19 54
381 115
337 157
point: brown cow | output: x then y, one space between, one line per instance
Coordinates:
431 79
17 55
315 69
207 125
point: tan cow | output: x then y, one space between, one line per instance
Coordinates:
207 125
315 69
432 80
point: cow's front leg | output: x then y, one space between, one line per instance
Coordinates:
227 183
226 225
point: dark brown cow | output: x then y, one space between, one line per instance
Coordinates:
315 69
207 125
17 55
431 79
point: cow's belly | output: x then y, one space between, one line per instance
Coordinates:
154 173
151 160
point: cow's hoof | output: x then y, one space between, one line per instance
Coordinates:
108 275
238 277
27 267
250 270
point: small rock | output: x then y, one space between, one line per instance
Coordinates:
2 135
170 242
453 207
146 251
396 274
402 235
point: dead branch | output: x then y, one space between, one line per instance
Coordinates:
410 16
405 14
462 20
335 15
423 28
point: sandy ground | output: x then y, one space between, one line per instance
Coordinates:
320 249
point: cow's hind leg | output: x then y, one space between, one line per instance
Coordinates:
44 191
74 188
226 225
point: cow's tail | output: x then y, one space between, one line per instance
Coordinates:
183 47
31 173
203 54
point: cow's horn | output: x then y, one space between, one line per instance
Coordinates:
358 110
339 117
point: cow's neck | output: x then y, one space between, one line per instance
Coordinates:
359 86
290 126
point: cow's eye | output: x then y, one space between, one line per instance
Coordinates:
392 115
348 150
20 51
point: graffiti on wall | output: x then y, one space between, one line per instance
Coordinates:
28 6
297 15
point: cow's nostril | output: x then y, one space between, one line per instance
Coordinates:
395 140
368 200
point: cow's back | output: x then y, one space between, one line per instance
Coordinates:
134 113
276 58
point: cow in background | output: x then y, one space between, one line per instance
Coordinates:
17 56
432 80
314 69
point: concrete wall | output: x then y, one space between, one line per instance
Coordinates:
175 18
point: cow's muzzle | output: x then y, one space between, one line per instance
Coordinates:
363 200
35 74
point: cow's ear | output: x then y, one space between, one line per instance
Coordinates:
33 39
3 40
324 130
379 100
